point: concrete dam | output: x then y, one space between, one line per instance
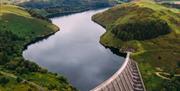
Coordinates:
127 78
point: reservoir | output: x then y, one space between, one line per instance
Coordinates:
75 51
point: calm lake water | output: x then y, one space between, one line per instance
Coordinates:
75 51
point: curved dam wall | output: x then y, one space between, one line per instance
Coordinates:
127 78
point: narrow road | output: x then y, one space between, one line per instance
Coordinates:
163 77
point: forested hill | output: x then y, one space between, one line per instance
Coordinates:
61 7
17 28
152 32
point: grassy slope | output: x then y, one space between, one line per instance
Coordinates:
18 28
153 55
18 19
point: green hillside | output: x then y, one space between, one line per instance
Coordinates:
153 32
17 28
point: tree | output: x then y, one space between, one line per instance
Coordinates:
3 58
178 64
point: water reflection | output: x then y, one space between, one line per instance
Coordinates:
75 51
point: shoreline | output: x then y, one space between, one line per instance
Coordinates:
58 14
37 39
114 50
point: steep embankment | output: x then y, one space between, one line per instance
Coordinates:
17 28
153 32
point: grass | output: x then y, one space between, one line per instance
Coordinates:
16 86
16 18
161 52
6 9
12 1
49 81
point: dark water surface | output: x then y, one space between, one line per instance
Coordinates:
75 51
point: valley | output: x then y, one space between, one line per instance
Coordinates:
74 44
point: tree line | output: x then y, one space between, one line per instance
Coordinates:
143 29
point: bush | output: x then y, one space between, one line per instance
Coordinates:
51 87
4 80
18 79
21 70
